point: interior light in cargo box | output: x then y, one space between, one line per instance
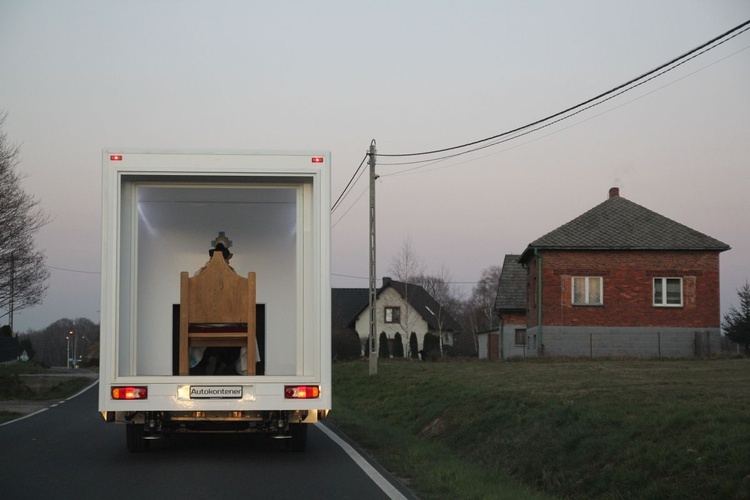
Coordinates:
130 392
317 159
301 391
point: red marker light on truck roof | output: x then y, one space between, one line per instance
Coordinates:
130 392
301 391
115 157
317 159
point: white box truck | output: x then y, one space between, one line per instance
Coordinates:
164 215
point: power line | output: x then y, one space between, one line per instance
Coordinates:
343 193
618 90
549 120
72 270
423 164
367 278
349 209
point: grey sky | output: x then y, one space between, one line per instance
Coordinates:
78 76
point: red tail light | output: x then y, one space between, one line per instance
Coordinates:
317 159
130 392
115 157
301 391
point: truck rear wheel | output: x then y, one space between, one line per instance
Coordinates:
298 440
134 438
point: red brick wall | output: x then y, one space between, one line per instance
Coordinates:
532 318
627 288
514 318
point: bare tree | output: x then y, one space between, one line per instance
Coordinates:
440 287
73 339
482 302
405 266
476 314
406 263
736 322
23 275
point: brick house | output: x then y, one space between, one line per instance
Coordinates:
621 280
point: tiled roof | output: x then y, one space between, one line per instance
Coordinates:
346 303
511 289
620 224
424 304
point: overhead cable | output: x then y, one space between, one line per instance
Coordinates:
71 270
349 209
343 193
422 164
588 103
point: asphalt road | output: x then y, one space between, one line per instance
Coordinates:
68 451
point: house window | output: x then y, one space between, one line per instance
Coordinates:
587 290
668 292
520 336
392 314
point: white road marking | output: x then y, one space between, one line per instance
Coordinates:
363 464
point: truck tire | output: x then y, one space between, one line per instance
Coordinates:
298 440
134 438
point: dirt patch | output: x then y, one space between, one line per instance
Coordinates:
42 383
25 407
434 428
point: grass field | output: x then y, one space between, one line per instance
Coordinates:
553 428
13 387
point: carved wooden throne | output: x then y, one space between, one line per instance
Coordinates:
217 308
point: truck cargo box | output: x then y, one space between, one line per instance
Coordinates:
162 213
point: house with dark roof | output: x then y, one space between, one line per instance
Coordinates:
622 280
401 308
509 340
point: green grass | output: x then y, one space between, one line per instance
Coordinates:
21 368
12 385
571 429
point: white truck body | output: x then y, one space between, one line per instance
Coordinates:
160 211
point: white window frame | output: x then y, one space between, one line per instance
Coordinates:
664 281
587 299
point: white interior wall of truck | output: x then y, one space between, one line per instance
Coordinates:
167 228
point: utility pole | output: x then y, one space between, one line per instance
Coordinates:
373 339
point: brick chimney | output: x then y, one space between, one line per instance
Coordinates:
614 192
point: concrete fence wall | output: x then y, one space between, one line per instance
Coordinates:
631 342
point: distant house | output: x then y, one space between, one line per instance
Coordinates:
621 280
509 340
401 308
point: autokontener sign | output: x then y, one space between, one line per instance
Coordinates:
216 392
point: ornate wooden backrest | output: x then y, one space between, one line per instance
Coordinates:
216 295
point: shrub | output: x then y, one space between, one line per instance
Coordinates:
345 345
413 346
398 346
431 346
383 346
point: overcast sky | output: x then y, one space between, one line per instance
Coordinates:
79 76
